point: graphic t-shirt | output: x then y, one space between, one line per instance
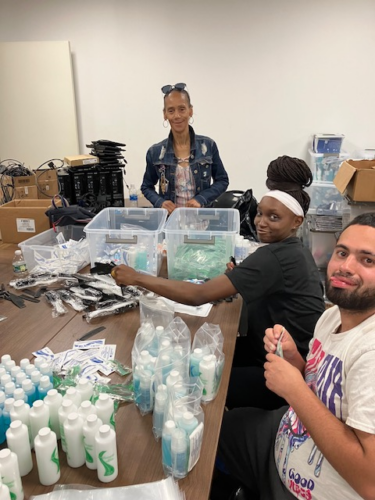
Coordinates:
340 370
185 185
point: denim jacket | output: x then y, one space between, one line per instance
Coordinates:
205 164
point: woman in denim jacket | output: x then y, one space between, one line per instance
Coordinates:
185 163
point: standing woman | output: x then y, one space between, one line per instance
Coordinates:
187 167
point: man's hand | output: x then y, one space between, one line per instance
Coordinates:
168 205
124 275
193 203
282 378
288 346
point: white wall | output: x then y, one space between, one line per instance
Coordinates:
264 75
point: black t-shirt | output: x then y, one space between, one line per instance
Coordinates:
280 284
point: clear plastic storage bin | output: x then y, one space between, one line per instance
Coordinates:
47 252
325 197
131 236
324 167
200 241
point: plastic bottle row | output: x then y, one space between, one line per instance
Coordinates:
51 410
88 442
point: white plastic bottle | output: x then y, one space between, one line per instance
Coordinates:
106 454
2 399
74 395
195 358
86 408
73 430
46 369
159 411
39 418
14 372
85 388
19 393
54 400
133 196
9 389
67 406
179 452
105 409
47 456
172 378
19 265
207 375
90 429
8 405
166 441
35 379
21 411
29 369
5 358
4 491
5 379
10 474
38 362
20 377
18 442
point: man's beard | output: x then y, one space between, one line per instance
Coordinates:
351 300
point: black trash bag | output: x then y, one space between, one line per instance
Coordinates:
72 215
246 204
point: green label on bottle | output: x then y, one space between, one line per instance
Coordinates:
89 458
108 468
55 459
112 420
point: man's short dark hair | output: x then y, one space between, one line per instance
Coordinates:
367 219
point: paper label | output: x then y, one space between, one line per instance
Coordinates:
25 225
195 439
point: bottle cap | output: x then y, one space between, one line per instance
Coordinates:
198 350
15 425
20 403
2 396
188 416
5 455
44 381
5 358
35 376
72 391
52 393
44 432
19 394
8 404
92 419
27 385
103 397
104 430
83 381
169 425
85 404
9 388
66 403
18 252
38 404
72 417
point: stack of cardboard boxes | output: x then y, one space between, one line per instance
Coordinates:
24 216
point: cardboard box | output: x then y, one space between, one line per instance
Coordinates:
21 219
78 160
356 178
15 187
47 184
25 193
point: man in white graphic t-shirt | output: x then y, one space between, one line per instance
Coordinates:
323 448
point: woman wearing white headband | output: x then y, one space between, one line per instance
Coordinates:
279 283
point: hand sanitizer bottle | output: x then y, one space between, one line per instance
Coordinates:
146 401
179 450
18 442
67 407
20 377
85 389
4 492
39 417
53 400
2 430
30 392
105 409
23 363
73 430
188 422
46 370
172 378
47 457
90 429
106 454
166 441
35 379
10 474
195 358
19 393
14 372
8 405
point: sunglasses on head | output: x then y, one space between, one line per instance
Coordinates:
167 89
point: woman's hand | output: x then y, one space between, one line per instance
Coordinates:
124 275
193 203
168 205
230 266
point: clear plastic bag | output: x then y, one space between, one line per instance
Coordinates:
154 308
167 489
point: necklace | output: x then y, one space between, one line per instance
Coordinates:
183 160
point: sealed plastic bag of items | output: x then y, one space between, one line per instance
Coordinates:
154 308
207 359
156 353
183 429
167 489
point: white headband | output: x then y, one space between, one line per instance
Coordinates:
286 200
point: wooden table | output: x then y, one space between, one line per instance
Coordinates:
139 455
